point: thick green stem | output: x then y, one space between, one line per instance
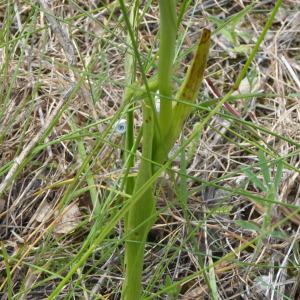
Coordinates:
140 217
187 92
168 29
138 220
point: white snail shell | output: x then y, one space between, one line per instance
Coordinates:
121 126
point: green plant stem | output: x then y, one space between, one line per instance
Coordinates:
140 216
141 66
168 30
130 72
187 92
136 225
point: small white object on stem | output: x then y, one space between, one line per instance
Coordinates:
121 126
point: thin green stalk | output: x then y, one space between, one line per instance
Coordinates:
140 216
168 30
257 45
136 224
183 8
141 66
130 71
89 175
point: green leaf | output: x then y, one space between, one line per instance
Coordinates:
222 210
174 291
248 225
253 178
264 167
183 186
279 235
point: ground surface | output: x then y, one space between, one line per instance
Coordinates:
62 82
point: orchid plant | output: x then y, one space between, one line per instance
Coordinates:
160 132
